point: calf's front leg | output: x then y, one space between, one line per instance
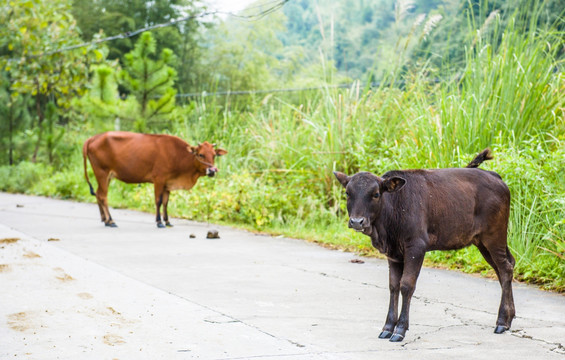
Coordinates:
413 259
394 275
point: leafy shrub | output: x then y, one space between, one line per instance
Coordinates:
65 184
22 177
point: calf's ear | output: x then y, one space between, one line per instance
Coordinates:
220 152
342 178
393 184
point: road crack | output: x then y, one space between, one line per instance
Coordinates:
557 347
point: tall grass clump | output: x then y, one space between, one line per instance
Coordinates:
510 91
510 97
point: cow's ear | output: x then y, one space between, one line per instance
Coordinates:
192 149
342 178
220 152
393 184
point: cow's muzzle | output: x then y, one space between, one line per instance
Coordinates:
360 224
211 171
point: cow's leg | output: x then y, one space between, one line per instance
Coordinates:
488 258
102 213
103 179
503 263
101 193
166 195
413 259
394 276
159 194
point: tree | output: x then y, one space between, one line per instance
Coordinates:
31 35
113 17
101 106
150 81
15 119
150 97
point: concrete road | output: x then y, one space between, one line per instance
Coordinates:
73 289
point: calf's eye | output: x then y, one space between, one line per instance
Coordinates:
376 195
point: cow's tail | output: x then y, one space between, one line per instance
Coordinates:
84 156
478 160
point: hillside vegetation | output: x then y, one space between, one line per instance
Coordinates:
479 74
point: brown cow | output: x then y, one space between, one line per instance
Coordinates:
164 160
409 212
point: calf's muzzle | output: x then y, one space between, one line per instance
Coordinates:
360 224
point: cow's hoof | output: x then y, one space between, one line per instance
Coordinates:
385 334
396 338
111 224
500 329
160 225
168 224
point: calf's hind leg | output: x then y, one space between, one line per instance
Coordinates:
503 263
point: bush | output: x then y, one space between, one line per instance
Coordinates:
21 178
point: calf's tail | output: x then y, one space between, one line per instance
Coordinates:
478 160
84 156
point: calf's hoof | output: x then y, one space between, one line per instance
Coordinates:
396 338
160 225
168 224
500 329
385 334
112 224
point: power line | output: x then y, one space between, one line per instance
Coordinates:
253 92
249 92
275 5
269 91
125 35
